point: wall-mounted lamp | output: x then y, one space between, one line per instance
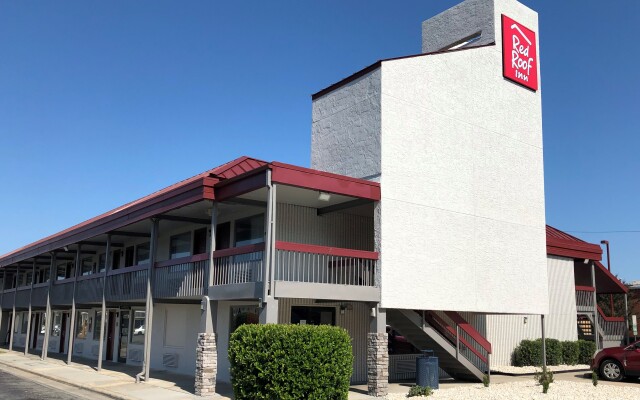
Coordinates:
324 196
373 312
586 261
66 248
342 308
525 320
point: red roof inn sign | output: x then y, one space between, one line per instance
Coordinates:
519 56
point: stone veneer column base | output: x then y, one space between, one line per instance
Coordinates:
377 364
206 365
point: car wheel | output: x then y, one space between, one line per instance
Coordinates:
611 370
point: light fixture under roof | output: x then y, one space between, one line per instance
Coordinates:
324 196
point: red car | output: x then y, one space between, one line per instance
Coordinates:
615 363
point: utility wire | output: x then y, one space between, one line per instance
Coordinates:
604 231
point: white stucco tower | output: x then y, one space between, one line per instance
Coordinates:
457 148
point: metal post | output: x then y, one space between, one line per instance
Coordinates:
272 268
104 303
269 313
72 326
47 326
266 284
544 345
28 339
13 316
626 321
149 303
212 247
596 326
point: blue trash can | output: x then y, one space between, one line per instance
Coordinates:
427 370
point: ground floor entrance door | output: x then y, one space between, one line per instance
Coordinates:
35 330
124 335
111 334
63 331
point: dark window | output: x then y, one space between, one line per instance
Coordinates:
180 246
87 266
70 270
223 236
128 256
102 261
142 254
250 230
200 241
313 315
61 272
115 262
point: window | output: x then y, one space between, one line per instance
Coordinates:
25 321
57 323
313 315
87 266
180 245
137 335
250 230
143 255
15 328
115 262
200 241
223 236
83 324
96 331
61 272
102 262
128 256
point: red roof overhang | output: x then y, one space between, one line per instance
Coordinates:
564 245
228 180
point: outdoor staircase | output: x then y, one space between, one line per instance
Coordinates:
611 330
462 352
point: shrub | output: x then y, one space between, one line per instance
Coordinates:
594 378
570 352
528 352
545 378
586 349
420 391
554 351
486 380
290 362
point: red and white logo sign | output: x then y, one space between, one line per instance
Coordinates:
519 56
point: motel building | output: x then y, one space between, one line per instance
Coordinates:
420 225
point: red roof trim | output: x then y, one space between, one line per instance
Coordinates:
318 180
562 244
377 65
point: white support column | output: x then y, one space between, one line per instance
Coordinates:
13 315
269 312
104 303
148 324
4 277
28 339
212 247
48 316
596 314
72 326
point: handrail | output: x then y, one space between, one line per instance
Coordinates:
439 321
609 319
235 251
326 250
182 260
23 287
470 330
90 276
62 281
585 289
124 270
39 285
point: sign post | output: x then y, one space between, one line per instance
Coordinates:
634 326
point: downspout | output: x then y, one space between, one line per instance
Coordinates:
13 316
104 303
28 339
47 332
144 374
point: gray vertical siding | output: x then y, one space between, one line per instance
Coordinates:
301 225
355 321
506 331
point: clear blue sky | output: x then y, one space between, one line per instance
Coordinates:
104 102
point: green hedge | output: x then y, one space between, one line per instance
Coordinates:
290 362
529 352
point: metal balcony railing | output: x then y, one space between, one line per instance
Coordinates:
238 265
182 277
127 283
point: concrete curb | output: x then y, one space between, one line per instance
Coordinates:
533 373
76 385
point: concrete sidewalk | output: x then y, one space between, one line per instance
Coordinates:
116 384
